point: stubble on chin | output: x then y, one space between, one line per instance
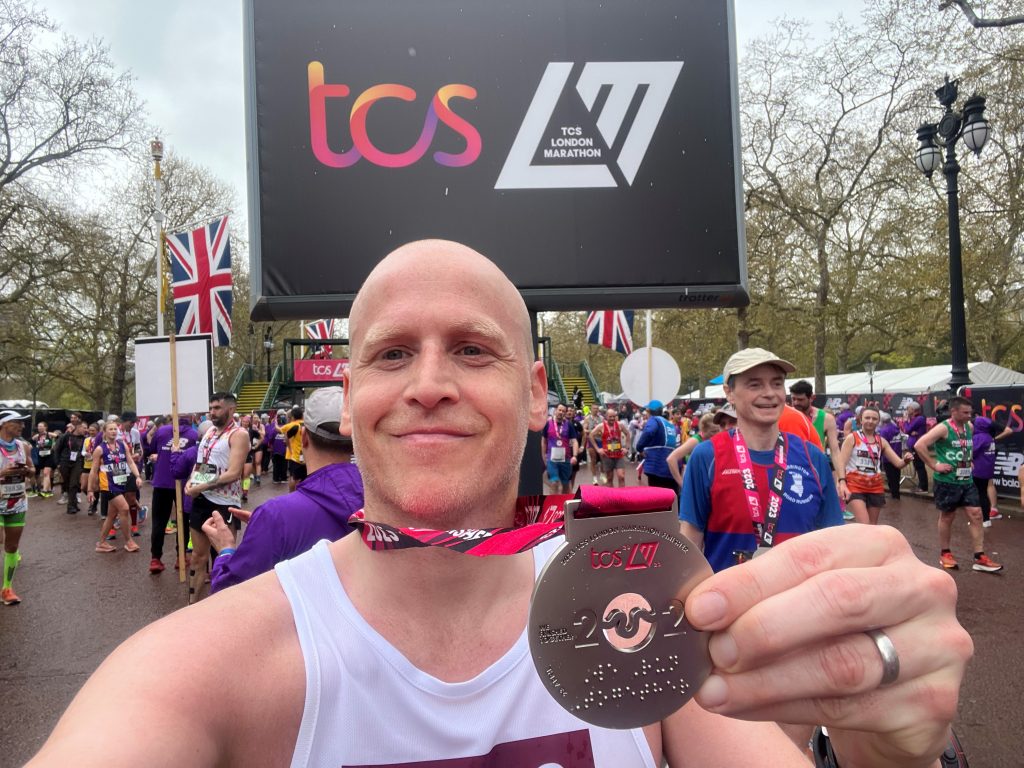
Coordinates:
447 499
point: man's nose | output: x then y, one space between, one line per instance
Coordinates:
434 378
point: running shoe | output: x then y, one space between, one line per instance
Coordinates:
46 494
135 531
31 493
143 514
995 514
63 498
848 515
155 566
8 597
172 527
986 524
986 565
948 562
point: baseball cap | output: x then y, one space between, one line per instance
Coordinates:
655 405
322 414
752 357
725 410
6 416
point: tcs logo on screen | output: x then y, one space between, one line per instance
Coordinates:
362 146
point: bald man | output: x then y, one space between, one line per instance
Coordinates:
352 656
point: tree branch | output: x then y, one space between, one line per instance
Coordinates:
979 22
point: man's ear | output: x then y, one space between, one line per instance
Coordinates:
345 425
538 396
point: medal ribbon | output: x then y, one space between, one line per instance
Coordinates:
764 526
966 447
538 518
876 461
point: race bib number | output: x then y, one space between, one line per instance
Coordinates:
12 490
203 473
558 453
963 473
44 451
614 446
74 455
120 479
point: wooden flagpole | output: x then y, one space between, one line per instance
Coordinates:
176 435
157 152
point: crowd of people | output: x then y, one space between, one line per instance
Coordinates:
866 450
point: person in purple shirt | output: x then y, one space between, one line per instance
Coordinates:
318 508
914 426
894 437
278 447
163 481
986 432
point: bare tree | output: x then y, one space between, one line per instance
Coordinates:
62 106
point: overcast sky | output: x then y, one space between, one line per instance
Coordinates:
186 56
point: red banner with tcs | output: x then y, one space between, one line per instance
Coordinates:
320 370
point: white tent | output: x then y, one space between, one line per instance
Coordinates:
912 381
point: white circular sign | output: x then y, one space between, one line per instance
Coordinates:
650 374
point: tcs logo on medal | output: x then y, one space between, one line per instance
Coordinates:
638 557
362 146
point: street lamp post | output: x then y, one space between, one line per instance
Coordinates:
869 368
973 128
268 346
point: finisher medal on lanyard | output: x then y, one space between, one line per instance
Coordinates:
607 629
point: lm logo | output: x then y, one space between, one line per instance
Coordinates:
625 78
438 111
639 557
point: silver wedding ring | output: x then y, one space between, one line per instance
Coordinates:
890 659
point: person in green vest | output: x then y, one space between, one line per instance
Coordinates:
952 464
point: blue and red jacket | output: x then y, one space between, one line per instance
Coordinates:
713 500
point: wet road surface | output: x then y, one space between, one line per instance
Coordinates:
79 605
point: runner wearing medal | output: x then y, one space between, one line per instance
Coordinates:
862 482
16 470
45 461
611 442
749 488
952 465
215 484
112 466
559 449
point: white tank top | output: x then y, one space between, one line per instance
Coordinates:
215 448
366 704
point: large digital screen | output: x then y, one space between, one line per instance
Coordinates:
591 149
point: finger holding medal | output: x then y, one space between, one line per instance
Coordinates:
842 628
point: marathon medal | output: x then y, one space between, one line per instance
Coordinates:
607 630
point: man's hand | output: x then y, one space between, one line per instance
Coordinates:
943 467
844 492
193 490
218 532
789 643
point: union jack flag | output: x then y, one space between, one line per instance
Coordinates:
612 329
321 329
201 280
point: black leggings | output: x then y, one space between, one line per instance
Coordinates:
922 473
981 483
894 475
280 468
163 507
